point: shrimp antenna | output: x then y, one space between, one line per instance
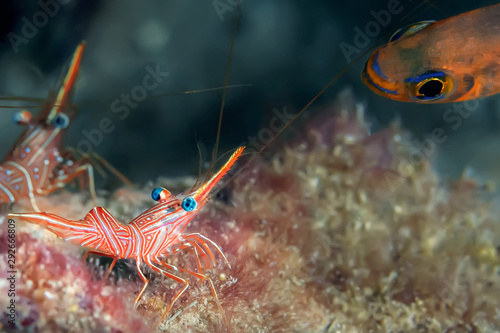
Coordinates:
171 94
328 86
41 102
430 4
201 90
224 90
199 145
22 98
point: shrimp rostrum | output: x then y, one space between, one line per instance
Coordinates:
150 237
37 164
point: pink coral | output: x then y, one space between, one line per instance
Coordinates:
56 292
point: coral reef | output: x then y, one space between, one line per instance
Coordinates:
336 233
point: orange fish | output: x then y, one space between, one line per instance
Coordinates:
452 60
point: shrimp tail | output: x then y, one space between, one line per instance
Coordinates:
97 230
76 232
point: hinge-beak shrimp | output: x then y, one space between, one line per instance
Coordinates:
154 234
37 164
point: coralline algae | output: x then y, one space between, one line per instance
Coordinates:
335 233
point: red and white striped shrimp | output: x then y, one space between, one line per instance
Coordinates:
37 164
154 234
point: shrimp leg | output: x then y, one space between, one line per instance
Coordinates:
71 170
199 276
171 276
115 259
196 249
143 278
203 241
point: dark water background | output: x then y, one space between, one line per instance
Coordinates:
287 50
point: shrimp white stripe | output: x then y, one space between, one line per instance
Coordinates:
45 172
151 213
45 144
90 240
160 238
27 176
159 207
97 230
9 193
28 139
17 180
154 227
129 247
162 223
99 244
54 222
153 239
70 238
139 240
111 236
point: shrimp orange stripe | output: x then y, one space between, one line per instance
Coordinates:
60 100
104 227
44 146
37 164
149 236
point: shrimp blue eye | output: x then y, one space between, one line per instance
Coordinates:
156 193
22 117
60 120
160 194
189 204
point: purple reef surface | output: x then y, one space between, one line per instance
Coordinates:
337 231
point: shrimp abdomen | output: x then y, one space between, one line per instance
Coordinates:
97 230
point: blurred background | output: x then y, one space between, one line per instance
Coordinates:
285 51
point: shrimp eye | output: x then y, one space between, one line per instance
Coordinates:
160 194
430 86
22 117
60 120
189 204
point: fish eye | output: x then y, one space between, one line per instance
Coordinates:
189 204
22 117
410 30
430 86
60 120
160 194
